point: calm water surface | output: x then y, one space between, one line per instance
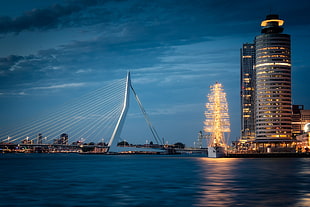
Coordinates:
150 180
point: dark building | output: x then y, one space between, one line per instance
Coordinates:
63 140
40 139
247 83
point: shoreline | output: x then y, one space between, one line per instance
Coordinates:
229 155
268 155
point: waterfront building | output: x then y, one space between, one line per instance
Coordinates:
247 83
63 140
273 81
300 118
266 102
27 141
40 139
304 138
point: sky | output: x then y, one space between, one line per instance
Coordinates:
56 50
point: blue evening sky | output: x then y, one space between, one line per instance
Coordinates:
55 50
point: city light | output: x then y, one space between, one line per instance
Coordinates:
265 23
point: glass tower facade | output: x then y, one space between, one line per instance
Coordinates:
247 83
273 81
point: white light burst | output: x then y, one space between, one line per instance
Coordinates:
217 123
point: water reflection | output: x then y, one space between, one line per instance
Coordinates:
79 180
304 175
216 190
254 182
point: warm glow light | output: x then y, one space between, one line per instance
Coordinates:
217 118
265 22
267 64
307 127
246 56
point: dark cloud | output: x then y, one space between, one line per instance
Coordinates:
138 29
7 62
171 19
46 18
17 70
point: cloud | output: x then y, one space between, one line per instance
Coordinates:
179 19
160 41
60 86
42 19
9 62
22 93
177 109
84 70
168 110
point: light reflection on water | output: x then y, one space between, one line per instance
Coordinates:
94 180
254 182
218 179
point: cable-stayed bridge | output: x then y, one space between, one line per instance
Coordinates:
94 117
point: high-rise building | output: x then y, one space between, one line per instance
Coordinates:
266 102
273 81
247 95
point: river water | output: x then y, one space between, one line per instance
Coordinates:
152 180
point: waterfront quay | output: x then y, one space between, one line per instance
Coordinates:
167 150
96 149
39 148
268 155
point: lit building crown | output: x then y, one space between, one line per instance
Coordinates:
272 24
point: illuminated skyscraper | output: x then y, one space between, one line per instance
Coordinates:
273 81
247 83
266 102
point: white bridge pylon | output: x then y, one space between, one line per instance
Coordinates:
120 123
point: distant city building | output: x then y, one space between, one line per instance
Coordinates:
303 142
39 139
300 119
27 141
64 139
247 83
304 138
